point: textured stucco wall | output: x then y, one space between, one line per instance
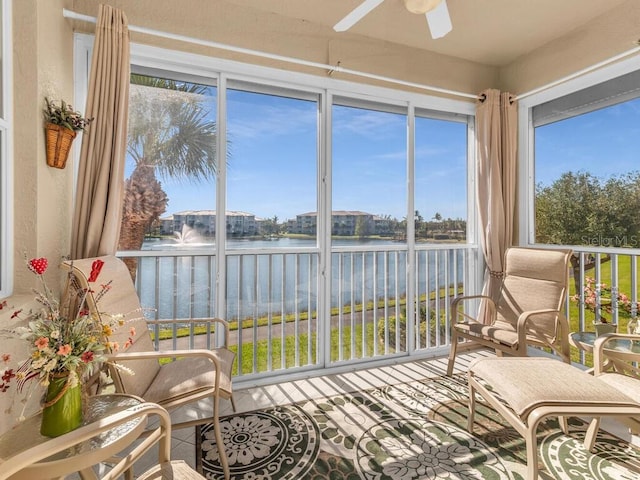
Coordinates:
43 65
605 37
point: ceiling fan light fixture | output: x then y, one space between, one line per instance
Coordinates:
421 6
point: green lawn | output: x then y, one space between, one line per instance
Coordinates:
304 358
624 286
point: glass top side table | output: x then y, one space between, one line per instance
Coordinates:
26 435
618 349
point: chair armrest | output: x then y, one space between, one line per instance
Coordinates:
521 325
455 303
196 352
599 346
183 321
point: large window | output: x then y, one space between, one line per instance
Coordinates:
287 204
587 174
6 241
272 168
171 165
440 178
369 180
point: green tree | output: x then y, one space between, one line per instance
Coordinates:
270 226
362 228
565 210
170 134
580 209
418 223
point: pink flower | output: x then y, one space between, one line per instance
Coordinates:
64 350
6 358
87 357
42 343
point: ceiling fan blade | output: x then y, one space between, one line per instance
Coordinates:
352 18
439 20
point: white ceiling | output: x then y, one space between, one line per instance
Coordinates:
490 32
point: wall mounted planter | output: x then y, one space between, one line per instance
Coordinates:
58 141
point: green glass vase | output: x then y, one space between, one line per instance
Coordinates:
63 407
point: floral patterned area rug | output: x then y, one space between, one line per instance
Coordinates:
410 431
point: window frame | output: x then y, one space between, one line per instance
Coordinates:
6 154
229 72
526 137
146 58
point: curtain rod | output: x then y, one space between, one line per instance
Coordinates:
330 68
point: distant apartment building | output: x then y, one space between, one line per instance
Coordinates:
343 223
238 224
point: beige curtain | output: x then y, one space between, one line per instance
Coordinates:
496 129
98 206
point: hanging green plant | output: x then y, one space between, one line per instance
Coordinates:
61 124
64 115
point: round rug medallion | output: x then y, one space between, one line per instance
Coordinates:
565 457
421 449
277 443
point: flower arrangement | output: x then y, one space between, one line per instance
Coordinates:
598 298
65 116
64 338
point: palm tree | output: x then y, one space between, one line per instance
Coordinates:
170 134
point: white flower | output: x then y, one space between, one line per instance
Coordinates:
39 363
51 365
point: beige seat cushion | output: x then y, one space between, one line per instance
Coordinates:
624 383
187 376
500 332
526 383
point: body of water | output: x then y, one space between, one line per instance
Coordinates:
259 284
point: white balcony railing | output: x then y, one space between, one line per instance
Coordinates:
613 275
285 320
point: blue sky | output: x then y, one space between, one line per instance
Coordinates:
605 142
272 165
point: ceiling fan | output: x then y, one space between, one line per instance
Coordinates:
436 12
